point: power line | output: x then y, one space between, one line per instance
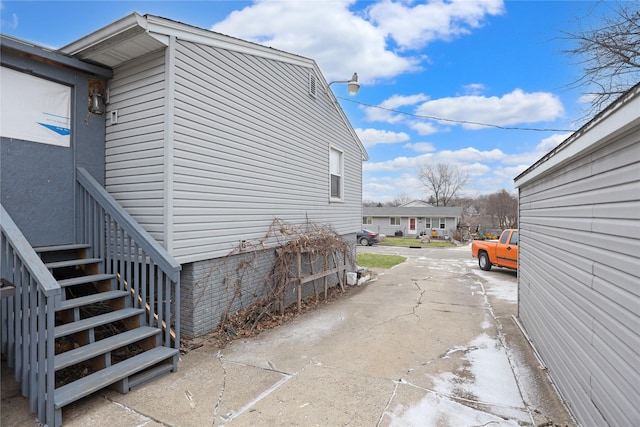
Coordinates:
466 122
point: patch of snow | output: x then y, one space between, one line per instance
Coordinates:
505 290
436 410
483 391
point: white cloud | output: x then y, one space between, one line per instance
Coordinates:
342 41
383 112
424 127
551 142
386 188
474 89
10 24
510 109
412 26
398 164
371 137
337 39
421 147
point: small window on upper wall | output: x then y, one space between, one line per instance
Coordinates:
367 220
336 174
394 220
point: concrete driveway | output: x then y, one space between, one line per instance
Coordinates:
430 342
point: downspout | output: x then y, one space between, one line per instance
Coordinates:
169 98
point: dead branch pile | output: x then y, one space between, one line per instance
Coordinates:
321 244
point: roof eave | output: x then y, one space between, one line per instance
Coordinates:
111 31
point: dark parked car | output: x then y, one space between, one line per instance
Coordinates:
367 237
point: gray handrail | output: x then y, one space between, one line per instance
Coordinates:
45 280
164 260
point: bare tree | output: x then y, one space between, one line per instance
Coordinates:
400 199
445 181
610 55
502 206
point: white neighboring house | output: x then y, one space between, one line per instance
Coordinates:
210 138
411 219
579 266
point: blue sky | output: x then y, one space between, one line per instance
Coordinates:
493 62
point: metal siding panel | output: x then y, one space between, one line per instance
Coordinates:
579 271
252 145
135 145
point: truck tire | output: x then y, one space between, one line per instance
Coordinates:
483 261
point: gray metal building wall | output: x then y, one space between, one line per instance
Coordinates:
579 273
37 181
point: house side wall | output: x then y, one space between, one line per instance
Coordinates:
135 144
251 145
383 225
579 271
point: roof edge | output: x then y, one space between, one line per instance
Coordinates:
99 36
589 132
23 47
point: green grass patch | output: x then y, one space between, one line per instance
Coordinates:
378 261
412 241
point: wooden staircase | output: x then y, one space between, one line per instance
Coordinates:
101 336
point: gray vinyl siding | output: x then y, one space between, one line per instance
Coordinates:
579 278
251 145
135 145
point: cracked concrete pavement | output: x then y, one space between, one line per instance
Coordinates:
430 342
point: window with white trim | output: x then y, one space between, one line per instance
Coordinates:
394 220
336 172
368 220
443 223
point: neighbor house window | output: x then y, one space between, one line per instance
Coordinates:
367 220
427 223
443 224
336 165
394 220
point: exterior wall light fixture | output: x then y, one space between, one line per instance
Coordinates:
352 85
96 97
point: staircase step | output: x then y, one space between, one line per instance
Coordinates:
58 248
97 348
91 299
92 322
86 279
149 375
98 380
72 263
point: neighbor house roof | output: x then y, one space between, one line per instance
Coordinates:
387 211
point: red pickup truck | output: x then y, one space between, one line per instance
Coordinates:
501 253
